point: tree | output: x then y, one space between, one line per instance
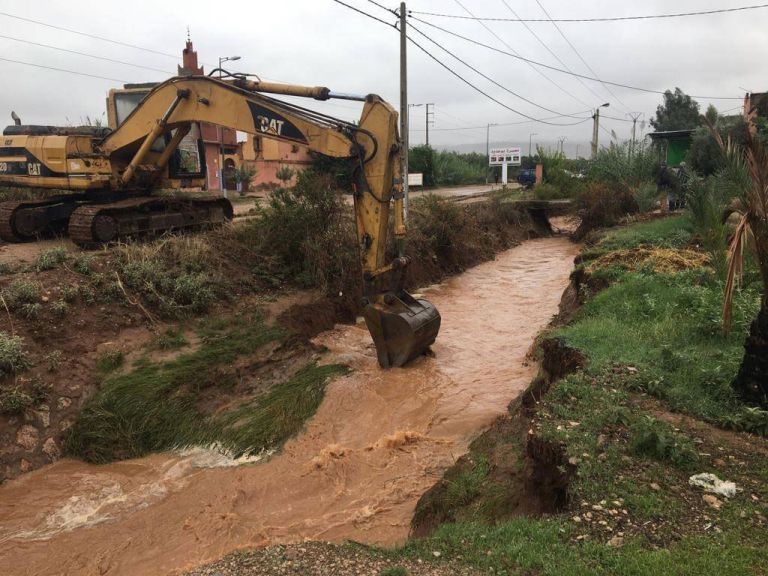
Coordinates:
746 168
678 112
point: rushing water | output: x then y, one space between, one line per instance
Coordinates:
379 440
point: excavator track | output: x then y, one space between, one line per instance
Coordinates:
95 224
27 220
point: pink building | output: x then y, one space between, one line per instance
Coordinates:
217 142
267 156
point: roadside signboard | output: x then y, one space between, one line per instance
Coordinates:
501 156
416 179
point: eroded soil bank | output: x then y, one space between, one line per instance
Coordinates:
377 443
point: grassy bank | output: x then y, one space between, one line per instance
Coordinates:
213 394
608 451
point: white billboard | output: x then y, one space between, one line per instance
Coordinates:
502 156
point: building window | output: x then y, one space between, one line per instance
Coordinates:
257 143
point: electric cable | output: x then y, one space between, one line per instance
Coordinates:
64 70
82 54
603 19
555 68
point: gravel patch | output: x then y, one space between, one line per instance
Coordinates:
320 559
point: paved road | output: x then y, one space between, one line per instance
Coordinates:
459 193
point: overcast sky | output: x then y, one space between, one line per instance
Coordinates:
319 42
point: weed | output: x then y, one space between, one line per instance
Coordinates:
31 311
20 292
13 357
171 339
655 439
60 308
83 264
466 485
53 360
394 571
5 268
70 292
39 391
110 361
14 401
49 259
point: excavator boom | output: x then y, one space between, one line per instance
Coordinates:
401 326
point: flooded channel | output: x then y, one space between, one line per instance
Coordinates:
379 440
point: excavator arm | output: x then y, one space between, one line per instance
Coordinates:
402 327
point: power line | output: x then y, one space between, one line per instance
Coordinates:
83 54
87 35
555 84
366 13
561 70
548 49
456 74
64 70
579 54
471 67
608 19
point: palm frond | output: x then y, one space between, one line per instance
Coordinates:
735 269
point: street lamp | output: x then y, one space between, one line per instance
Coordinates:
223 59
530 143
595 128
488 148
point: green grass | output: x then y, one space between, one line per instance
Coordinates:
668 328
527 546
110 361
673 232
157 407
13 356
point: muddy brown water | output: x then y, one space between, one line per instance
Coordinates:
379 440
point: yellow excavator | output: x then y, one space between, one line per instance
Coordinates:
109 176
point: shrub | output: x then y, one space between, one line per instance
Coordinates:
54 360
14 401
13 357
647 197
60 308
171 339
602 206
49 259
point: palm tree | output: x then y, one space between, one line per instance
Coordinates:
746 170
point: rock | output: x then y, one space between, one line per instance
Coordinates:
436 553
27 437
65 425
616 541
45 298
712 501
576 519
43 415
51 450
655 486
25 465
64 402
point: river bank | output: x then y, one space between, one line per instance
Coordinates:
377 442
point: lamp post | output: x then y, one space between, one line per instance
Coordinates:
530 143
488 147
220 132
596 127
223 59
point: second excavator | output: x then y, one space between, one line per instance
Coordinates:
109 176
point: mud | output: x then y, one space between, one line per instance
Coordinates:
377 443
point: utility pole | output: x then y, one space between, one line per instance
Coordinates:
428 120
488 148
530 143
635 117
596 128
562 140
404 107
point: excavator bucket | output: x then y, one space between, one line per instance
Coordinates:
402 328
